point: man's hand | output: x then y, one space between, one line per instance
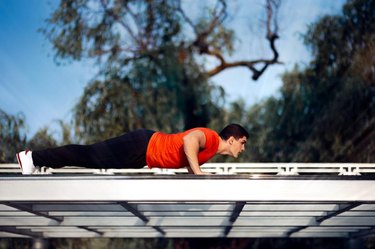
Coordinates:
205 173
199 173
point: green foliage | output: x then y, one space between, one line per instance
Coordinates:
324 109
47 137
157 93
112 243
19 243
185 243
42 140
149 76
117 31
12 136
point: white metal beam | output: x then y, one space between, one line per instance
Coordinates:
186 206
197 189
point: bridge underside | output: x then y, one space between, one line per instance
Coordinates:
186 206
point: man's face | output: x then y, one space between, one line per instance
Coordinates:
237 146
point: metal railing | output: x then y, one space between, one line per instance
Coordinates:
221 169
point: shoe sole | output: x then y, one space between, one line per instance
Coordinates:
19 161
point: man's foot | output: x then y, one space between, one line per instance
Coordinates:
26 162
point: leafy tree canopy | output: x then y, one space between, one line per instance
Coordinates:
152 58
12 136
326 110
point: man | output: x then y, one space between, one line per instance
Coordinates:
136 149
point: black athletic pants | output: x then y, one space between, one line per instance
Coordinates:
125 151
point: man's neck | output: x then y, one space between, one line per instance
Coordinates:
223 147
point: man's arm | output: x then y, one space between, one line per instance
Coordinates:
194 141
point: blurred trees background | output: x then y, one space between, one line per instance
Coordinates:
187 243
153 73
325 112
12 132
152 58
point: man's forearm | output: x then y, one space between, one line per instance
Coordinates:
191 149
192 158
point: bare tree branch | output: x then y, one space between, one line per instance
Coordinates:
119 20
186 18
272 7
143 38
218 18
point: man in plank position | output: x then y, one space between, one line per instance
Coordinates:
138 148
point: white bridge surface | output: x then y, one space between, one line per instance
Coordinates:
136 204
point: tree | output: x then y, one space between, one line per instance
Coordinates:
152 57
46 137
159 94
115 32
12 136
42 140
326 111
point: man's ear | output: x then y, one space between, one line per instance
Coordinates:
230 140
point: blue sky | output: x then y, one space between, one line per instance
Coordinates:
31 83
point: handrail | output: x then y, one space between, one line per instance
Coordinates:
220 168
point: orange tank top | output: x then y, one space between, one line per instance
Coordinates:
166 150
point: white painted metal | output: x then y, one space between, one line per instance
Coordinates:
281 214
320 235
276 221
290 207
27 221
206 189
182 206
11 235
223 169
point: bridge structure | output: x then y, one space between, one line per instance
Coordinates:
236 201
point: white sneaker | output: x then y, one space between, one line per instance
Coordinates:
25 161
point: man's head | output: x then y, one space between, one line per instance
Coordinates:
235 137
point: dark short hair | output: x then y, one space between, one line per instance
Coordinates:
235 130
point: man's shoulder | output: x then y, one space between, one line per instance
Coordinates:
203 129
208 133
